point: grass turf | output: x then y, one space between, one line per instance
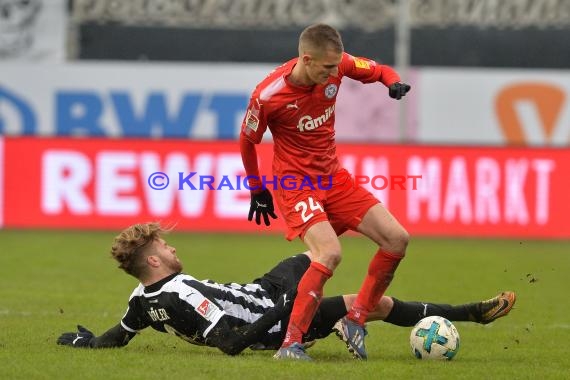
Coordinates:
52 280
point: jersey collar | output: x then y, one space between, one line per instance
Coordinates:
157 285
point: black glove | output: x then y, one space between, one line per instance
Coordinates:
398 90
261 204
78 339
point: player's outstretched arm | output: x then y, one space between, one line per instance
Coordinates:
391 79
233 341
116 336
368 71
261 199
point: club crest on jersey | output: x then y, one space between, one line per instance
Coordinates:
330 90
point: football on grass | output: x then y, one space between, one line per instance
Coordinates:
434 338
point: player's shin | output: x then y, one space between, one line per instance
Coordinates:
309 294
380 273
406 313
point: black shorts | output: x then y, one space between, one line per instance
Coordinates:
286 275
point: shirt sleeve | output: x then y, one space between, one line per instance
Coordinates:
116 336
233 341
254 123
249 159
134 318
202 309
367 71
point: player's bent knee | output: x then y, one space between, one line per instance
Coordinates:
336 259
398 243
329 254
331 259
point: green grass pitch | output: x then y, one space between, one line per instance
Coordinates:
52 280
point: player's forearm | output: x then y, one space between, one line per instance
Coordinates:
233 341
249 159
116 336
367 70
388 76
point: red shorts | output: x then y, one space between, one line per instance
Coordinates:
343 203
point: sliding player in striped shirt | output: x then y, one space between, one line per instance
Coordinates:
231 316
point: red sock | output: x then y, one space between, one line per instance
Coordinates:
309 293
380 273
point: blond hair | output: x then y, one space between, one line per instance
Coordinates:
320 37
130 245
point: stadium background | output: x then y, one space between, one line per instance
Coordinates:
488 78
96 95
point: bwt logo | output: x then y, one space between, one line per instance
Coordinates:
20 109
100 113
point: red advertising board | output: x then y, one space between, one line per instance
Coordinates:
433 191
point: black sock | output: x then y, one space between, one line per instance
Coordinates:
330 310
409 313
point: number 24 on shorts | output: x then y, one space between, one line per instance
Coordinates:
307 208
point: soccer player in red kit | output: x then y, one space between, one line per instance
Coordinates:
297 103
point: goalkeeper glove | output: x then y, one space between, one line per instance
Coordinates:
82 338
261 204
398 90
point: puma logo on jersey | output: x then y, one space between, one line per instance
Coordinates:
293 106
308 123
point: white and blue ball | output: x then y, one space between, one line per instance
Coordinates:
434 338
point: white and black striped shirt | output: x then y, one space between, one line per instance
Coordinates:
189 308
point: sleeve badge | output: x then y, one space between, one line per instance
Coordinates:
251 121
360 63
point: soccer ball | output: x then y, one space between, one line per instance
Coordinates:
434 338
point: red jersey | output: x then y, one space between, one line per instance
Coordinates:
301 119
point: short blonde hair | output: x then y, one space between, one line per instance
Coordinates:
319 37
130 245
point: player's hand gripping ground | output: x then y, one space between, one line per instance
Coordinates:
261 205
398 90
82 338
